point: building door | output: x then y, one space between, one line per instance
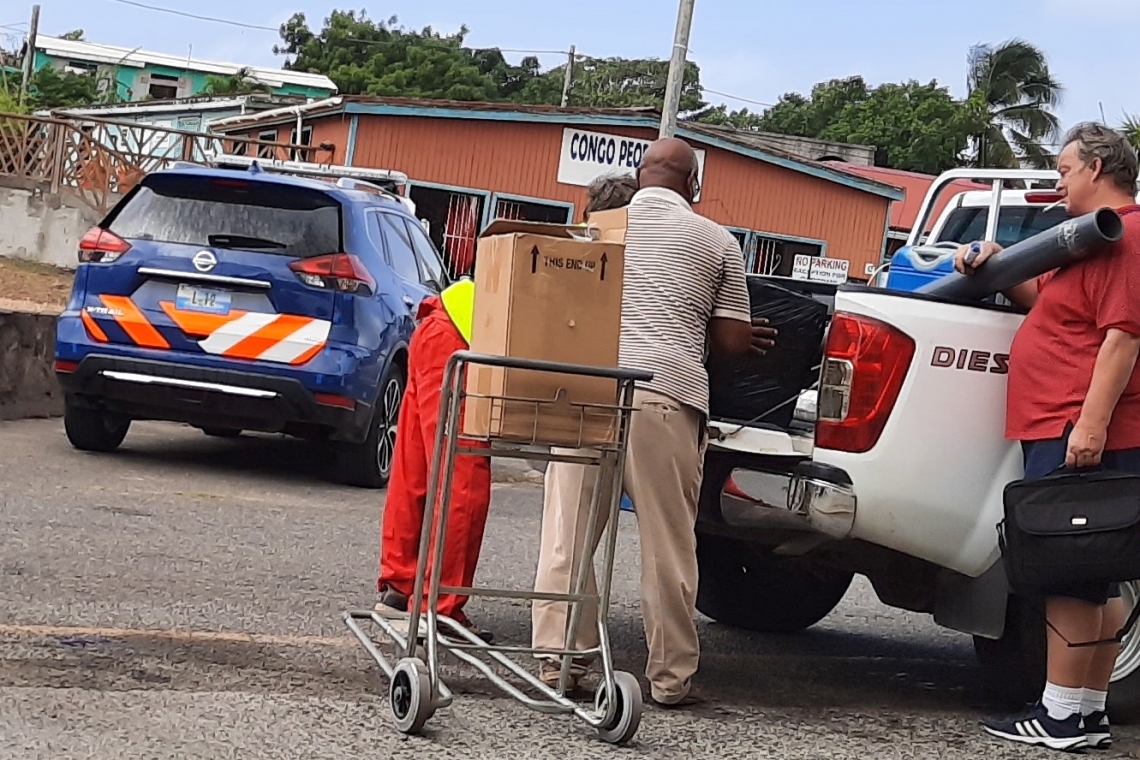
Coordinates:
454 218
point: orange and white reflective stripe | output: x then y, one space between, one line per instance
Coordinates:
93 328
282 338
137 327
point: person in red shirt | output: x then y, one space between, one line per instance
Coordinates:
1074 399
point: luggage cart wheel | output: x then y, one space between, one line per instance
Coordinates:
410 695
626 710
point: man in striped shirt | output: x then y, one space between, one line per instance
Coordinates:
684 291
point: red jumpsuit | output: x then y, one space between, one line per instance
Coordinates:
433 342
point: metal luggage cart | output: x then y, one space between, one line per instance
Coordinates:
416 690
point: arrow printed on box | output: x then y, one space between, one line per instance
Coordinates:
605 258
534 260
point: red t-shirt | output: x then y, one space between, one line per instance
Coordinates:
1053 354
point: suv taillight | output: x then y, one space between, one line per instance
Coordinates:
864 366
335 271
100 246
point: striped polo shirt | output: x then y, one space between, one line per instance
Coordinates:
681 270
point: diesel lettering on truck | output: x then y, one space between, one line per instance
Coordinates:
946 357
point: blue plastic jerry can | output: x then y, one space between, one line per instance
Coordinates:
626 504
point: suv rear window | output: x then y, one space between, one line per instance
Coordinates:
1016 223
237 213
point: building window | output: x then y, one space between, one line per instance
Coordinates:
163 87
80 67
531 211
774 257
306 139
266 151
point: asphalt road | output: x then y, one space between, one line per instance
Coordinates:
182 598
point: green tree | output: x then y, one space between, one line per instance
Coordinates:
51 88
721 116
913 126
240 82
75 35
366 57
1012 89
1131 129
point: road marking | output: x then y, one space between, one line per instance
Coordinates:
172 635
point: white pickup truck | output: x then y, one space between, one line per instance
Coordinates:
901 482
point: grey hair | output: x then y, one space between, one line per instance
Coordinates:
610 191
1117 156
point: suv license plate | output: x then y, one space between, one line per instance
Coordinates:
193 298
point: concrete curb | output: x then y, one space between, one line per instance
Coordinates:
514 471
28 386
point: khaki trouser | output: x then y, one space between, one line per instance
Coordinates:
662 477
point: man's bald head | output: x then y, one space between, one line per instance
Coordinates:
672 164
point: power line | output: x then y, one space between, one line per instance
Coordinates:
737 97
196 16
14 26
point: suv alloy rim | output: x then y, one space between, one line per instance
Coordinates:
389 416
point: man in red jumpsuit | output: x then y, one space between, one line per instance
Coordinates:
444 328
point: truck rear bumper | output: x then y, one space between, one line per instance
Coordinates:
812 497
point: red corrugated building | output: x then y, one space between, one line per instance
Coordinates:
469 163
905 212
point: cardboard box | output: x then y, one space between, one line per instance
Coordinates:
550 293
609 226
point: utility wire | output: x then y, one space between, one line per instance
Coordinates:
196 16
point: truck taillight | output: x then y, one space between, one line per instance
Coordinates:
864 366
100 246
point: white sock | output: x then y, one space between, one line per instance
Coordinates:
1093 701
1062 703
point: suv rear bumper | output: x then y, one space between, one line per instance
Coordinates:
205 397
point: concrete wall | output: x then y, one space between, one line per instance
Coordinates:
28 387
41 226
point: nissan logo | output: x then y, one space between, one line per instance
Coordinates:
204 261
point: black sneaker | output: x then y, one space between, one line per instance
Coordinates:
1098 731
1035 727
392 604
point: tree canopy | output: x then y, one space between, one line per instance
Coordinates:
368 57
241 82
914 126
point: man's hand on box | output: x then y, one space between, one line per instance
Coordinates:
763 337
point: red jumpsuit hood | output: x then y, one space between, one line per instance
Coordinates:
428 306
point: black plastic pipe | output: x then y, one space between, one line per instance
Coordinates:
1070 241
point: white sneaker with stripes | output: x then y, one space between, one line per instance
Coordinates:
1036 728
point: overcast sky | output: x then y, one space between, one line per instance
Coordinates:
752 50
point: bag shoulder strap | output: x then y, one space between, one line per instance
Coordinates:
1125 629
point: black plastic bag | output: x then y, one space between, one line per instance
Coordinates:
750 388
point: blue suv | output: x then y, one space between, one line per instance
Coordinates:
242 300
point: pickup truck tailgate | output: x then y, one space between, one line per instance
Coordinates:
931 485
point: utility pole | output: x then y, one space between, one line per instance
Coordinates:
569 80
30 53
676 81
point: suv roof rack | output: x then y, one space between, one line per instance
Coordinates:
356 178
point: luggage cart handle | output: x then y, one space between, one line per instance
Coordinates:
612 373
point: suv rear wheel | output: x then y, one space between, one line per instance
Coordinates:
90 429
369 464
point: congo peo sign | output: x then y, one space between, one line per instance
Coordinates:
586 156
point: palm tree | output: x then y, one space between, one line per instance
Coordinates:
1014 94
1130 127
241 82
